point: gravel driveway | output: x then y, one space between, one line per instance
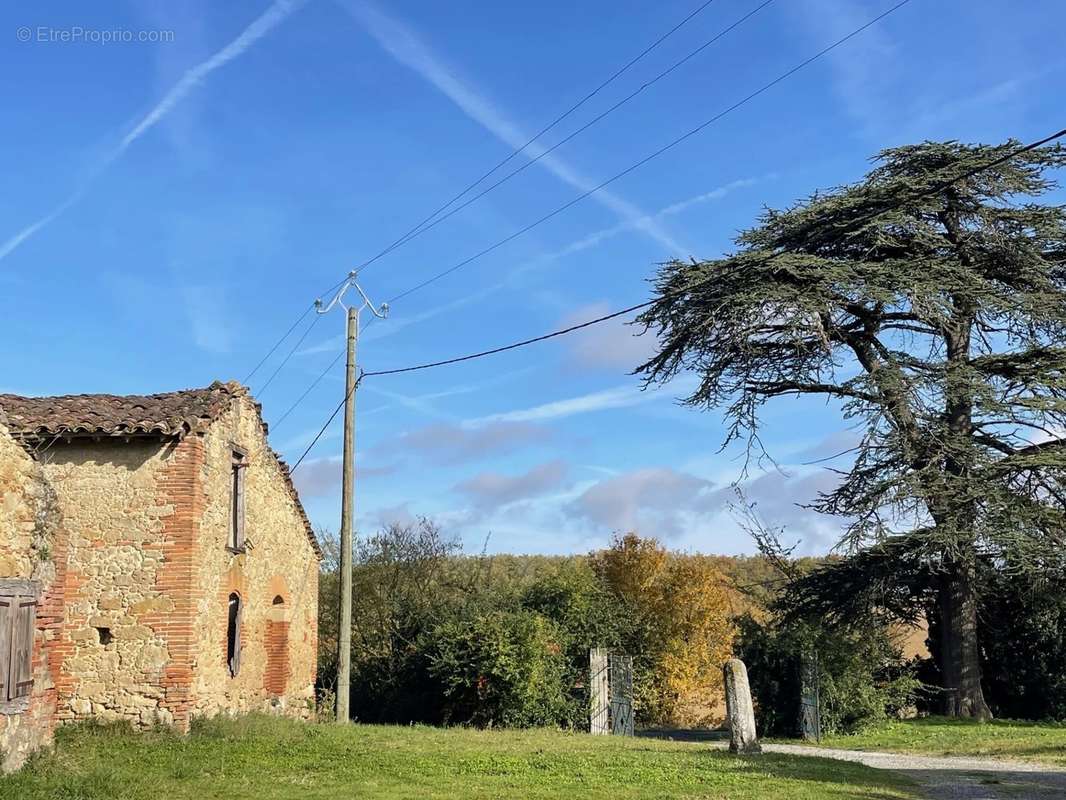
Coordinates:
954 778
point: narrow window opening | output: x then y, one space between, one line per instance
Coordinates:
104 634
278 600
233 635
238 465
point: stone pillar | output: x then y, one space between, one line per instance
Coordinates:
599 692
739 709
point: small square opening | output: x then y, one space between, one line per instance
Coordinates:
105 636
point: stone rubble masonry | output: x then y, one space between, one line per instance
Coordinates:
128 510
279 564
132 624
31 548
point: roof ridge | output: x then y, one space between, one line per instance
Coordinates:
166 414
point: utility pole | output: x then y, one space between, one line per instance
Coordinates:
344 638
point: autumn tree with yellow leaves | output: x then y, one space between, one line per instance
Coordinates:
681 608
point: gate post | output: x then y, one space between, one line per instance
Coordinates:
599 692
739 708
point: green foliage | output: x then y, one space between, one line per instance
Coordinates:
1023 645
863 679
585 615
442 638
1023 642
931 308
504 641
502 668
773 663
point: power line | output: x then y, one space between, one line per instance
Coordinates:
309 389
419 230
287 333
318 380
669 146
678 292
285 360
277 344
329 421
515 345
581 197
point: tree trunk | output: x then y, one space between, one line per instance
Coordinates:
960 663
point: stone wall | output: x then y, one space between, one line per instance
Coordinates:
276 579
116 505
31 547
133 622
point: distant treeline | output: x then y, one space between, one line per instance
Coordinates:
440 636
444 637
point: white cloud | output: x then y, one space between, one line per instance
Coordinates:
407 47
450 443
618 397
424 403
650 500
492 489
398 322
615 344
259 28
864 70
317 477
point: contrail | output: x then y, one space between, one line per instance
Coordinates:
259 28
404 44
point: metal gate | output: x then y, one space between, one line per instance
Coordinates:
810 721
621 683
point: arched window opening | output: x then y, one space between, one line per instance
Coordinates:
278 600
233 635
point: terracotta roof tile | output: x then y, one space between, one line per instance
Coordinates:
169 415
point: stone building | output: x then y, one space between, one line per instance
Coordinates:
163 560
31 604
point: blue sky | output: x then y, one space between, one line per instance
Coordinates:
169 207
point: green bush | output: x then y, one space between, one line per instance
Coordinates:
501 668
863 678
438 637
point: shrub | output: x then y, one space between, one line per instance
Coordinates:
863 678
438 637
585 615
502 668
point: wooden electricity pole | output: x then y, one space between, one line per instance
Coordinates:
344 636
344 639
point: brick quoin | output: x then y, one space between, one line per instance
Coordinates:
181 486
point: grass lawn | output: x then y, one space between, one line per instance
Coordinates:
1025 741
262 758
